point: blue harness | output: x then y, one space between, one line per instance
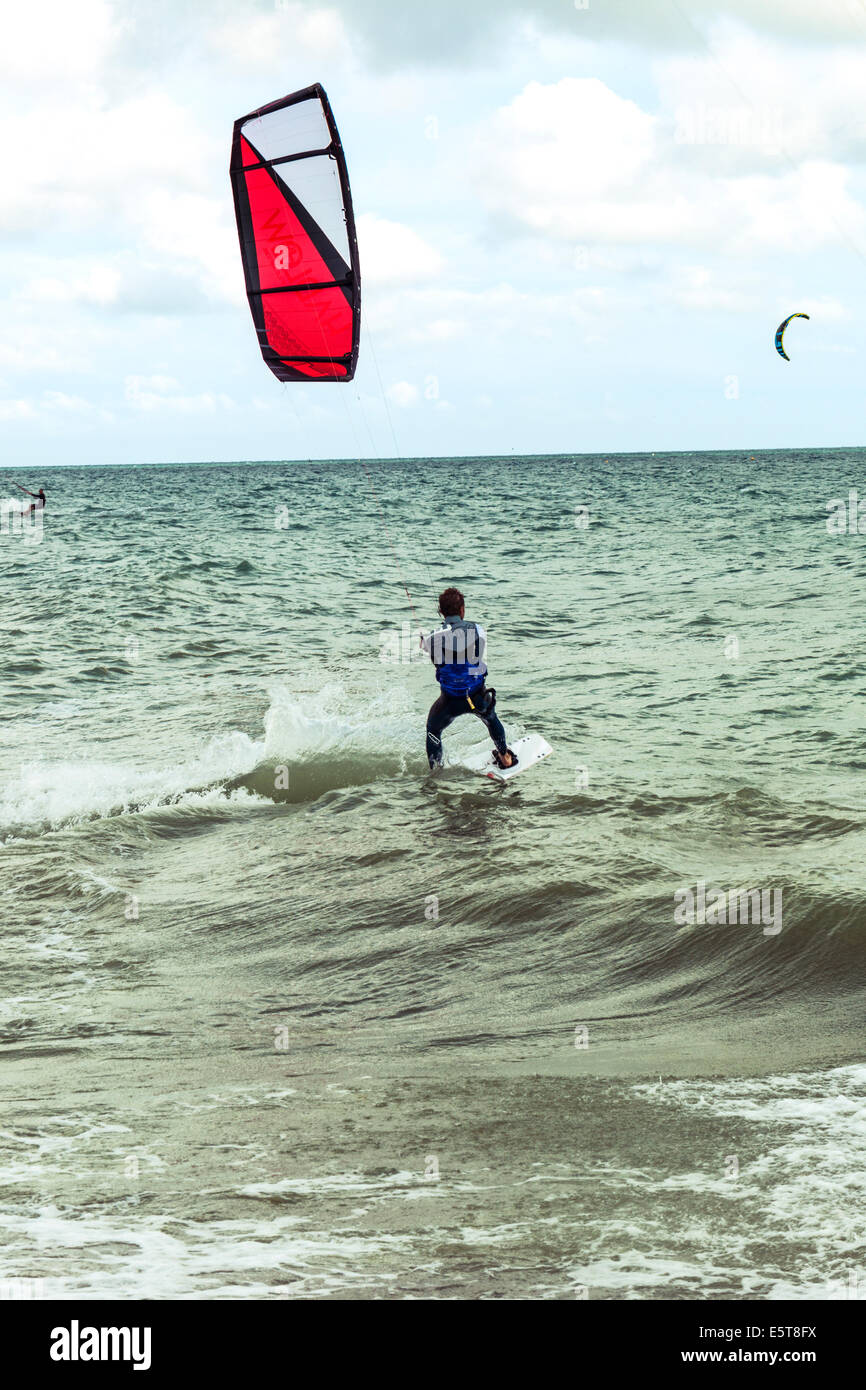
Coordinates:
459 677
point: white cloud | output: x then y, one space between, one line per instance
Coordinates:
51 403
562 160
573 161
93 285
195 235
828 310
443 330
752 102
16 410
91 163
26 349
393 254
72 405
455 32
292 31
500 313
557 151
403 393
56 41
155 393
140 173
796 212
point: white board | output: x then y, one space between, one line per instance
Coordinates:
530 750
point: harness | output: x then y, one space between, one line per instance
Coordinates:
489 702
455 640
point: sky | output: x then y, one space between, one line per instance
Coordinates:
579 222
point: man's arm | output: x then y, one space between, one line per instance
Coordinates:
431 646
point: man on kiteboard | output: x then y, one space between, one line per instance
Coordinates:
38 505
457 651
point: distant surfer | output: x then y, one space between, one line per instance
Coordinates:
36 506
457 651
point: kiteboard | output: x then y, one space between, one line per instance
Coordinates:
530 750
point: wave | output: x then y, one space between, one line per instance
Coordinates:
312 744
49 795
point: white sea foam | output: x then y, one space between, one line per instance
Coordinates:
333 721
126 1257
55 794
807 1182
326 725
337 1184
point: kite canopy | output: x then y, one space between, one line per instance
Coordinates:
297 236
780 333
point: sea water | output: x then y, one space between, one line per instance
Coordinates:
283 1015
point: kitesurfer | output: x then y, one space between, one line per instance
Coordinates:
36 506
457 651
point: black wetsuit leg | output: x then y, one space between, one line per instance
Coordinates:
448 707
442 713
494 726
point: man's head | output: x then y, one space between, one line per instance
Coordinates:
451 603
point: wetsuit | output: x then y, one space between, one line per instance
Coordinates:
37 506
457 651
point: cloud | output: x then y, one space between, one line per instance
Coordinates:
573 161
803 209
57 41
72 405
28 349
560 152
51 403
91 164
141 173
155 393
403 393
393 254
196 236
456 33
94 285
751 102
498 314
827 309
263 42
700 288
16 410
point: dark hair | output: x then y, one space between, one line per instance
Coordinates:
450 603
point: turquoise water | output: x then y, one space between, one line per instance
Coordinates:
262 969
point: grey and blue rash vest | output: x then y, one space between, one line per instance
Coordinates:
457 651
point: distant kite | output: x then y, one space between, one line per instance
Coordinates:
780 333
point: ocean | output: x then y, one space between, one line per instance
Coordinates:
285 1016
